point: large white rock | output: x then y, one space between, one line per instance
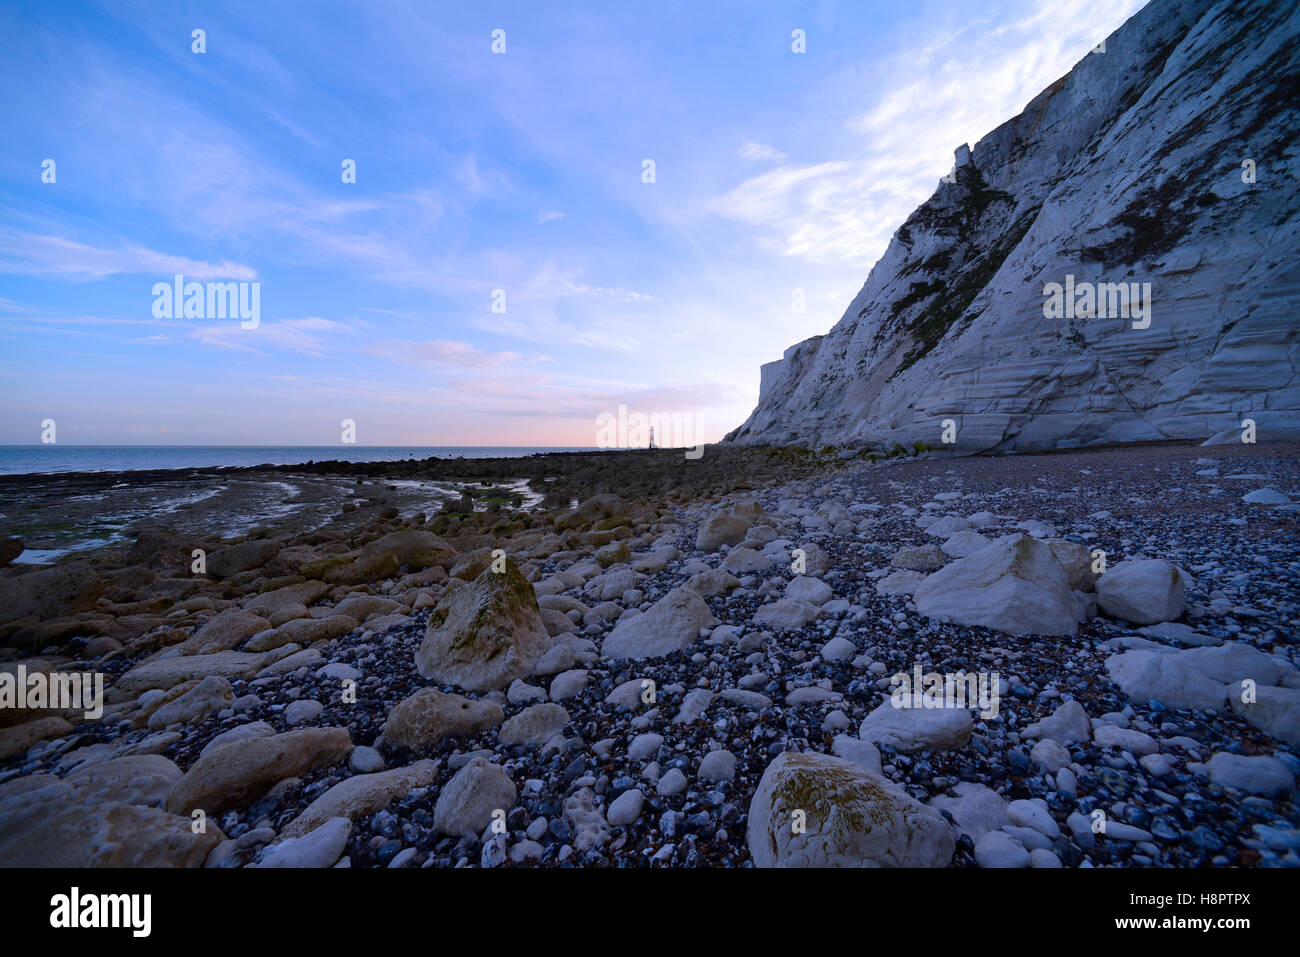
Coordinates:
1143 592
849 817
1167 678
671 624
1233 661
484 634
917 728
1275 711
1014 585
1259 774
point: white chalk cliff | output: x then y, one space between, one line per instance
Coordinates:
1130 169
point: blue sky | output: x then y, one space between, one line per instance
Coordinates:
774 172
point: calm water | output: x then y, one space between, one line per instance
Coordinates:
28 459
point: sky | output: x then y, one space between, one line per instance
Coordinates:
504 270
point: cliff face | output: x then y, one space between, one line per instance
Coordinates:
1129 170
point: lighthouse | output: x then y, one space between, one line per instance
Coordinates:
652 436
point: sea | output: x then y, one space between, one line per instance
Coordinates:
53 459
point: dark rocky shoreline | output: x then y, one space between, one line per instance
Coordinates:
757 685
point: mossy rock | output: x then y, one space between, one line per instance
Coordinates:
484 634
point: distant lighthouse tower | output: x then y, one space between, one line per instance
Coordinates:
652 436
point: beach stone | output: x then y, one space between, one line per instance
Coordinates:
278 600
625 808
718 766
365 760
229 561
1015 586
242 732
1034 814
812 590
645 746
857 751
569 684
810 694
715 581
965 542
485 634
361 796
597 508
1143 592
143 779
694 704
1126 739
721 530
320 847
1167 678
1233 661
231 777
673 782
671 623
612 554
746 561
1260 774
1077 562
556 659
302 711
308 658
1275 711
1068 724
211 694
977 809
361 607
66 833
1049 755
466 802
917 728
429 716
520 692
1000 849
838 649
1266 496
628 695
47 593
919 558
787 613
20 737
534 725
307 631
383 558
167 672
902 582
224 631
853 818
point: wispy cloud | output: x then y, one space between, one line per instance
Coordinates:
442 352
55 256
